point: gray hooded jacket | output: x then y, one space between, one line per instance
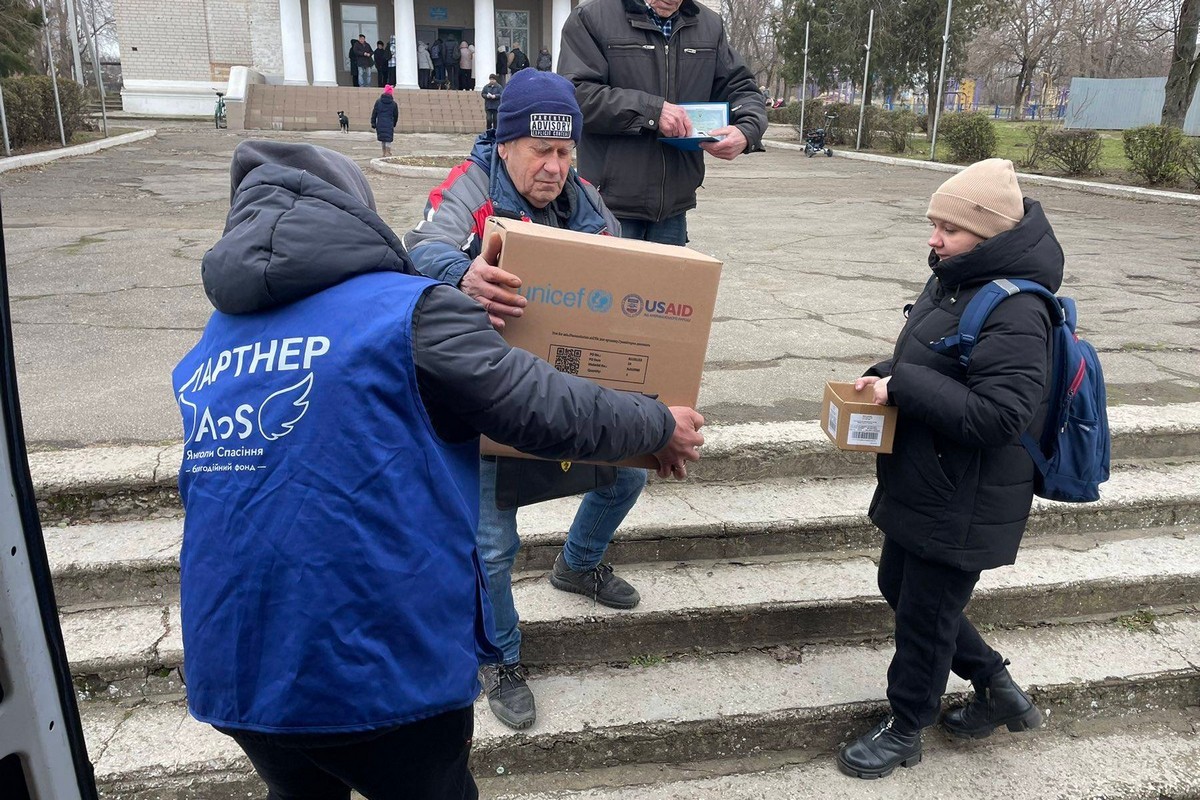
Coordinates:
302 219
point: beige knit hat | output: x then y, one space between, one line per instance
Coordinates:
984 199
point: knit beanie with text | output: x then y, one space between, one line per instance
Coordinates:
538 104
984 199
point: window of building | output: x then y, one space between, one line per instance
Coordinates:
512 27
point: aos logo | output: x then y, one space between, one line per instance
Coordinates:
633 305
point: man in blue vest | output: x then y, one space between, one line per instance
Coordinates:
334 609
523 169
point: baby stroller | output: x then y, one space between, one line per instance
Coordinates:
814 142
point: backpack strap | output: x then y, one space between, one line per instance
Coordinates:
985 301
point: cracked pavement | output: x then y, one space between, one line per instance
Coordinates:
820 256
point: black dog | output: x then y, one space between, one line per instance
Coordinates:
344 121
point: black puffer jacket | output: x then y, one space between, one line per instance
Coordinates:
958 486
623 70
303 219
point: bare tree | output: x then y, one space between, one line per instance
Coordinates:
1029 30
1185 65
753 28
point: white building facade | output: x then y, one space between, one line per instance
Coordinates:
176 54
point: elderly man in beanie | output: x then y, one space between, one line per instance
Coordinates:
334 612
523 170
954 495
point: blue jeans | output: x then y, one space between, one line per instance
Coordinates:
600 512
364 76
672 230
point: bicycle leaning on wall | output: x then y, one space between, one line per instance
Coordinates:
219 113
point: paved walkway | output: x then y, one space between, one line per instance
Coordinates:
820 256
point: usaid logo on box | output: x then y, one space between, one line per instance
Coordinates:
634 305
550 126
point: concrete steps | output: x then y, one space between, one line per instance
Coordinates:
721 607
1145 756
761 641
137 561
137 482
689 709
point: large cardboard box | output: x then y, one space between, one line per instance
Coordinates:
629 315
852 421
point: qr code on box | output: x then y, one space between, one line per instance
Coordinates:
566 359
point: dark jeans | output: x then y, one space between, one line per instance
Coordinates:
423 78
933 636
672 230
452 77
424 760
490 113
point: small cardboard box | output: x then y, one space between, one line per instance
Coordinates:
629 315
853 422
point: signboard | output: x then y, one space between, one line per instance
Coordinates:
439 12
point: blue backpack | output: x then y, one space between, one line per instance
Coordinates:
1072 458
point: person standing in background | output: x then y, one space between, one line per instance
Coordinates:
353 57
501 65
466 65
544 62
424 65
439 66
364 59
381 56
517 60
491 101
450 57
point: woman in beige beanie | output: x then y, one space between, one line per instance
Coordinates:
954 495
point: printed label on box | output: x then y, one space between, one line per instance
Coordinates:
831 426
866 429
606 365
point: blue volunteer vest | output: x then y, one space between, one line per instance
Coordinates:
330 580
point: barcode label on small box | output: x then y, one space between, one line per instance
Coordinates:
865 429
831 426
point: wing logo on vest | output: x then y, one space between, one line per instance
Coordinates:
292 403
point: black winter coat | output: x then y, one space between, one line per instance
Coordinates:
384 117
958 485
623 69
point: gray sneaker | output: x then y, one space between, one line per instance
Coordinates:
599 583
509 696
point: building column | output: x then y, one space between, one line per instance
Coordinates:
558 17
485 41
406 45
320 29
291 29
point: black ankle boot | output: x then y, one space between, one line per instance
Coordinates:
997 702
877 753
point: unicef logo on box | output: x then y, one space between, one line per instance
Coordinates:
600 301
632 305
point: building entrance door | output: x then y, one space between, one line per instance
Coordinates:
356 19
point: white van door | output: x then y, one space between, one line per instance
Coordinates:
42 752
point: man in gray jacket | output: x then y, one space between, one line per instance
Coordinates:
632 62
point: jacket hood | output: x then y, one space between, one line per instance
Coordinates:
301 219
1029 251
